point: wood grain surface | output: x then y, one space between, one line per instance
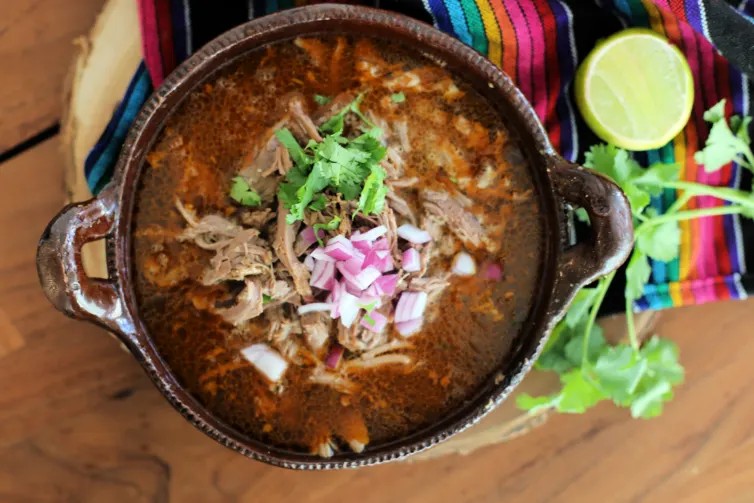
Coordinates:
36 44
79 420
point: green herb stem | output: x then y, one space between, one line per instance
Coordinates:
604 284
690 215
699 189
630 327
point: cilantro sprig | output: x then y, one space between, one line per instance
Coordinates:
635 375
336 165
242 193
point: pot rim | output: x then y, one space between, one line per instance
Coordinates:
566 271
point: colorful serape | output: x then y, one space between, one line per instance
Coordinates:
539 43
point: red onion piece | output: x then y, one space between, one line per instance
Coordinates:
414 234
381 244
381 259
319 254
332 360
374 321
369 235
323 275
408 328
411 305
308 237
314 307
464 265
309 262
339 250
348 306
411 260
266 360
386 284
363 246
493 271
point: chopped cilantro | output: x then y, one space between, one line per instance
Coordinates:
266 299
398 97
321 100
241 192
349 167
329 226
725 142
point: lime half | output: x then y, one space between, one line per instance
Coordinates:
635 90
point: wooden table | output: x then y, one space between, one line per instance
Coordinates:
79 421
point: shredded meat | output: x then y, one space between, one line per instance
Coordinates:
357 338
337 104
434 286
401 129
248 305
400 206
239 252
302 120
283 246
448 208
393 164
280 292
256 218
263 162
316 328
387 218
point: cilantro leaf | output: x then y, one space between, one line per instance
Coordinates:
656 386
638 272
328 226
724 144
242 193
315 183
336 123
660 242
580 307
398 97
372 199
619 371
266 299
657 174
298 155
617 164
322 100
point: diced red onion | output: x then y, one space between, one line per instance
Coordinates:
332 360
381 259
411 260
348 306
308 237
493 271
464 265
411 305
386 284
266 360
363 246
369 235
334 299
374 321
381 244
414 234
373 290
340 249
353 266
323 275
309 262
410 327
319 254
361 279
314 307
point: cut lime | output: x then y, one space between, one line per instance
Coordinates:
635 90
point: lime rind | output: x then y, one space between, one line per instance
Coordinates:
611 121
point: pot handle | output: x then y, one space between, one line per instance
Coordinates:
61 272
611 224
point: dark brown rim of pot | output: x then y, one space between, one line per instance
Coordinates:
111 303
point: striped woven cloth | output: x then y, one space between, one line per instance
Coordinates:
539 43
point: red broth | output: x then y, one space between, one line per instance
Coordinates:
456 145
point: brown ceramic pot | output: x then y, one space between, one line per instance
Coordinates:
111 303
